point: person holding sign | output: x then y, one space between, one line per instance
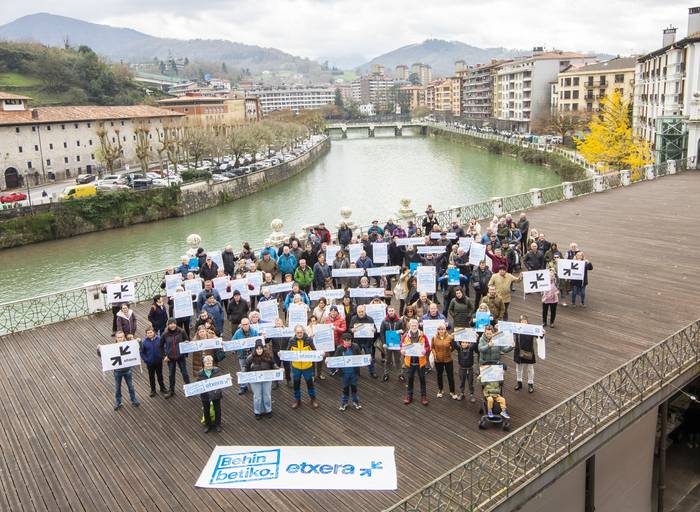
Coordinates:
415 364
152 354
460 309
172 337
578 287
304 369
210 399
243 331
392 328
503 280
363 331
524 356
348 348
261 360
338 322
494 303
465 359
122 373
488 352
442 352
550 299
158 314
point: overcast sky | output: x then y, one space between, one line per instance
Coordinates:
362 29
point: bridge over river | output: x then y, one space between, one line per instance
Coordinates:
64 448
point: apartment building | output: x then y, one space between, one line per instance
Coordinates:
581 88
52 143
666 110
401 72
523 87
423 71
477 90
375 89
415 95
212 109
445 96
294 98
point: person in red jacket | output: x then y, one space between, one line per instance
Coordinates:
498 260
339 325
415 364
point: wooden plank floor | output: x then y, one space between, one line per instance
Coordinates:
62 447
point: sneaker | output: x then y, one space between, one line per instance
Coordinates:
472 399
242 391
169 394
153 393
343 407
489 414
136 403
217 428
402 378
321 377
334 373
296 404
117 407
551 326
258 416
504 414
163 391
518 386
564 304
424 400
374 375
357 406
407 400
268 414
439 395
544 324
314 403
385 378
460 397
206 429
454 396
530 388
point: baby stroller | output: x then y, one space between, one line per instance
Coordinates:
496 420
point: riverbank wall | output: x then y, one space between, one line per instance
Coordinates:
565 168
120 209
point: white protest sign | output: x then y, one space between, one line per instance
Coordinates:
364 331
255 279
541 349
354 251
349 361
120 292
280 288
477 253
347 272
187 347
182 305
301 356
298 314
416 240
242 343
492 373
536 281
216 258
519 328
503 339
172 281
242 286
300 467
432 249
465 243
206 385
260 376
327 294
468 335
376 312
278 332
379 252
430 327
383 271
116 356
435 235
221 285
366 292
331 251
413 350
323 337
425 277
194 286
269 310
571 269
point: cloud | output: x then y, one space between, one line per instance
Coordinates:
340 28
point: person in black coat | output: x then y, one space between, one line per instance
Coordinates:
465 359
524 356
348 348
534 258
229 258
209 270
210 397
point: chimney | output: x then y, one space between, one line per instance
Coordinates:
669 37
693 20
35 113
537 50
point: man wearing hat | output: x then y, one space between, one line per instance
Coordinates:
323 234
348 348
375 230
171 339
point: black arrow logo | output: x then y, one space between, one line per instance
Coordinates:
574 266
124 350
116 360
567 272
536 284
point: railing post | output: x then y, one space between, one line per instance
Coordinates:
497 203
649 172
625 177
277 237
536 197
568 189
598 183
671 166
92 297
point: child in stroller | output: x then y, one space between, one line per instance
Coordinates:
493 409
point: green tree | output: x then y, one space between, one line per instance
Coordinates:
338 98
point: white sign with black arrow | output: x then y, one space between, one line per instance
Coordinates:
116 356
120 292
536 281
571 269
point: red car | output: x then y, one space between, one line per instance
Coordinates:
14 196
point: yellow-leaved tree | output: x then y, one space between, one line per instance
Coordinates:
611 141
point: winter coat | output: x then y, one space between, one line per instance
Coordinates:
524 349
356 320
237 311
339 328
496 306
304 277
524 226
287 263
303 343
216 312
198 357
461 311
256 363
171 343
151 351
533 260
498 262
413 360
216 393
321 273
208 272
158 316
481 278
490 354
502 285
587 267
202 298
352 350
268 266
551 296
465 356
389 324
442 348
365 264
126 323
344 236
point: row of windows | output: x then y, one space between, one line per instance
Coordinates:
65 160
65 145
75 125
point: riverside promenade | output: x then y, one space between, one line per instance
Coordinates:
64 448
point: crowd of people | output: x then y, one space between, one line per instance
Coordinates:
465 296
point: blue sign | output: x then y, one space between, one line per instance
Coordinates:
393 340
413 266
453 276
193 264
246 467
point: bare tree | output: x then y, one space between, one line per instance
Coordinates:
109 151
143 145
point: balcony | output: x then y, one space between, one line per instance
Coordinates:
596 83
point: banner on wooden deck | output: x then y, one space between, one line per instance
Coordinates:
300 467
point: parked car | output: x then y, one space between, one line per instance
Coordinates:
219 178
12 197
229 174
110 185
82 179
141 183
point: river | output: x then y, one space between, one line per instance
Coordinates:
369 175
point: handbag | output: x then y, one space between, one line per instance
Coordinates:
219 355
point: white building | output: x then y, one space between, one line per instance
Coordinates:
665 109
294 98
53 143
523 87
367 109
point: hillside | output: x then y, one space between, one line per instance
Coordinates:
439 54
132 46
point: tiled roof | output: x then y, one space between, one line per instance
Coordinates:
618 63
83 113
192 99
8 96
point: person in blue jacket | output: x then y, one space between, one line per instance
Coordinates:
287 262
296 290
152 354
215 311
245 330
349 348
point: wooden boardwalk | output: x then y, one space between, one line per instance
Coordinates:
62 447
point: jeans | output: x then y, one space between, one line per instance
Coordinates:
505 311
412 370
262 397
530 372
466 375
552 308
448 368
217 412
182 363
124 373
393 359
241 362
367 348
308 376
349 386
580 291
153 370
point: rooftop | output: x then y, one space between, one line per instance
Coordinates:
82 113
616 64
9 96
192 99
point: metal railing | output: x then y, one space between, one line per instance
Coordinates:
495 474
56 307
